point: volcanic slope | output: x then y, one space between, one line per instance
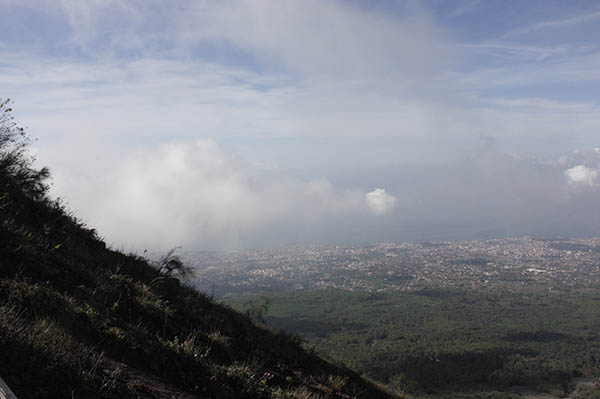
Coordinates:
78 320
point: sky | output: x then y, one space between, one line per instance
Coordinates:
245 124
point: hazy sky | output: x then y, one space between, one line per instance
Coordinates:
231 124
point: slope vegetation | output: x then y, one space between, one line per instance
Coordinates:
79 320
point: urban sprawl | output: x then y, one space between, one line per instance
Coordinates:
499 263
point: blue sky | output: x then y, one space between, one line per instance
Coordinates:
263 123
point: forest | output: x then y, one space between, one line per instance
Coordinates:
452 342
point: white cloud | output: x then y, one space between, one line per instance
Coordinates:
581 174
380 202
197 195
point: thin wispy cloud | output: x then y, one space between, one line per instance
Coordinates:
514 51
553 24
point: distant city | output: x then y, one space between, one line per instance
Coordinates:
499 263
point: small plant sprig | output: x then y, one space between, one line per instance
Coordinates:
171 265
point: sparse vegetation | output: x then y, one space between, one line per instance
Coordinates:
257 308
171 265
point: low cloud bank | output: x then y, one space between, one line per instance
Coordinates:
494 194
201 196
198 195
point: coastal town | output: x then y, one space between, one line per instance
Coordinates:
499 263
